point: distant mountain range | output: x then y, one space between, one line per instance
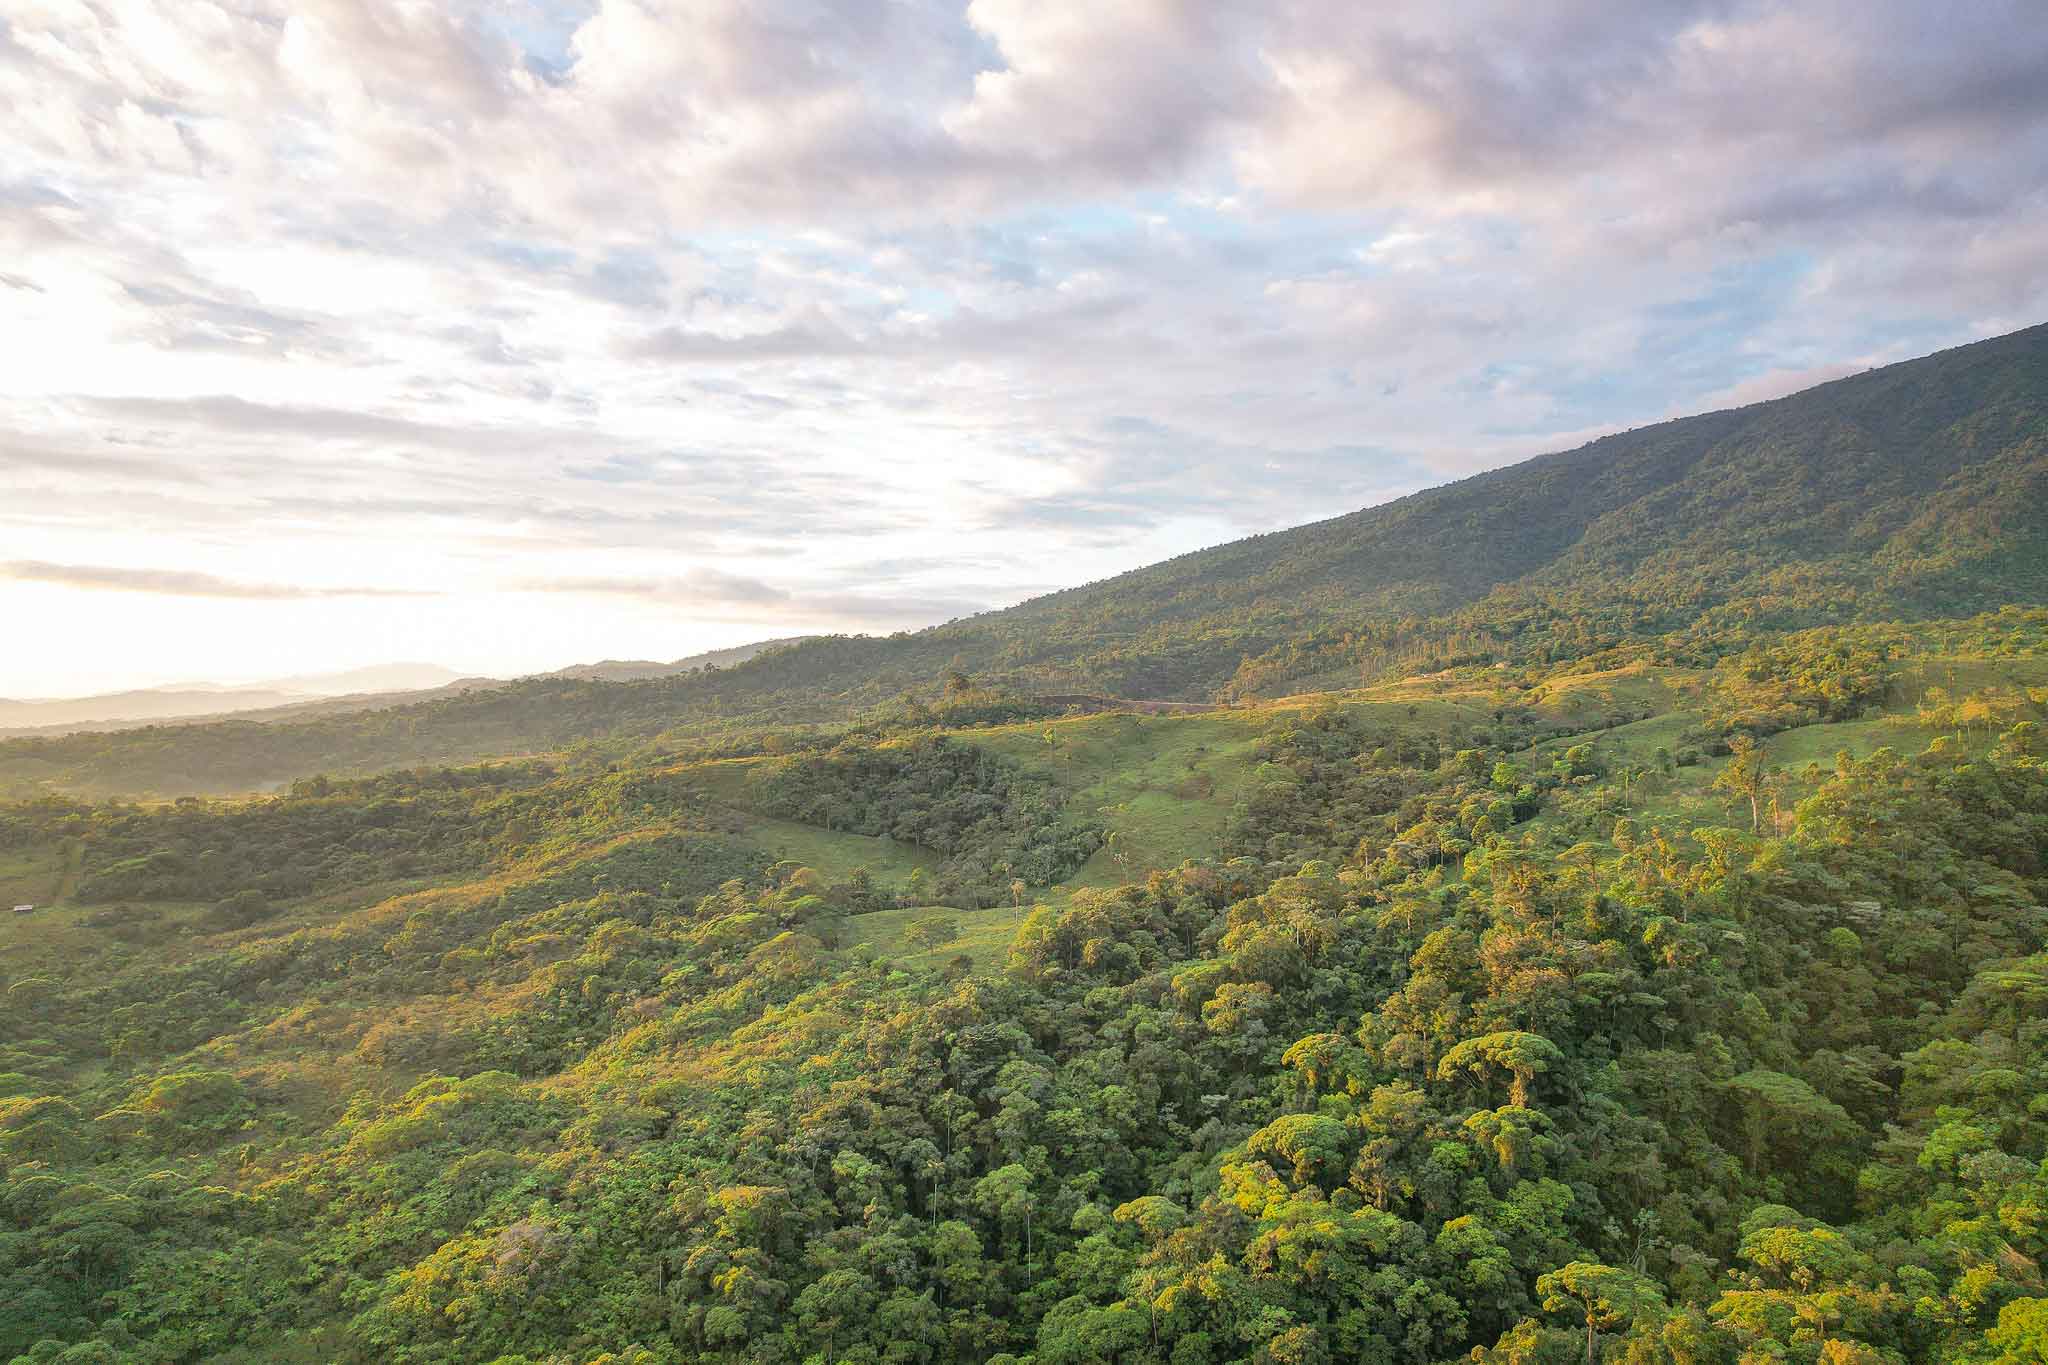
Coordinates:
317 694
633 670
179 700
400 677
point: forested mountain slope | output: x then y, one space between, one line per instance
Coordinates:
1917 489
1538 1015
1920 489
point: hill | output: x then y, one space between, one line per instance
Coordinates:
1658 1012
634 670
393 677
1916 490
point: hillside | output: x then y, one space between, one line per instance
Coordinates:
1916 490
1692 1012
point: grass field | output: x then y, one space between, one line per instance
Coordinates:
1687 796
1164 785
56 936
1161 785
835 854
30 878
984 935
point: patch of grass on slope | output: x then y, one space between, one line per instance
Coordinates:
1164 786
984 935
1161 785
835 855
30 877
1687 797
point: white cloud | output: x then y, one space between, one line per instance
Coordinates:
178 582
484 293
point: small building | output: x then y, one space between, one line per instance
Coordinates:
23 909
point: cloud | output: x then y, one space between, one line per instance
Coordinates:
177 583
1772 384
1069 101
660 113
707 586
712 594
182 320
895 310
227 414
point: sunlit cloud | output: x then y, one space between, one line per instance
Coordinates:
178 583
465 297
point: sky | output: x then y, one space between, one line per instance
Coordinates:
520 333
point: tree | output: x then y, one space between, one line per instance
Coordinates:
2023 985
921 1158
932 931
1773 1099
1746 776
1524 1056
917 887
244 908
2022 1333
833 1302
1603 1295
1310 1145
1007 1196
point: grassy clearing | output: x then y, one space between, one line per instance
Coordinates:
30 878
1795 749
1960 675
56 938
1687 797
1579 701
1165 785
725 778
1595 699
984 934
834 854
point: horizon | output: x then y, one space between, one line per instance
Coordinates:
515 335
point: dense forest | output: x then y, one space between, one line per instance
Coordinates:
1466 1037
1619 938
